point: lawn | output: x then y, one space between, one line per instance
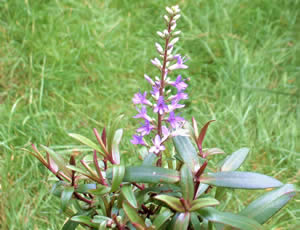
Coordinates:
70 66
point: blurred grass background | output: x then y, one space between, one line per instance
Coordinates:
72 65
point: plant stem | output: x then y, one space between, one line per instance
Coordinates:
161 90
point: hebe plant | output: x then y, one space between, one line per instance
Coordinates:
174 188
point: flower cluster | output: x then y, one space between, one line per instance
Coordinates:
166 95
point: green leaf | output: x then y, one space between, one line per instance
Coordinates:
100 190
117 177
187 183
60 162
202 188
203 202
102 226
84 220
187 152
86 141
150 159
172 202
182 221
100 219
202 134
195 221
233 220
66 195
243 180
268 204
84 188
132 214
212 151
81 171
162 218
70 225
115 146
150 174
129 195
112 131
235 160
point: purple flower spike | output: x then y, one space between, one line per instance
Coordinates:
160 107
137 140
175 121
179 84
179 64
180 96
157 145
140 99
155 91
143 114
145 129
175 105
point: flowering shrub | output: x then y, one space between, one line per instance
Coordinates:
174 189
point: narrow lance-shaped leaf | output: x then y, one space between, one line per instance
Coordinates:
182 221
268 204
162 218
84 220
243 180
132 214
129 195
195 221
150 174
117 177
187 183
202 203
230 219
235 160
115 146
202 135
172 202
111 132
86 141
66 195
187 152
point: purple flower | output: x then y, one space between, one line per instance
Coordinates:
155 91
175 121
140 99
145 129
148 79
166 133
180 96
143 114
157 145
175 105
160 107
137 140
179 64
179 84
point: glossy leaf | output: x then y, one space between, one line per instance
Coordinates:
85 141
202 188
84 220
133 215
202 203
60 162
81 171
100 190
70 225
117 177
202 134
187 183
268 204
162 218
182 221
102 226
235 160
172 202
66 196
187 152
129 195
150 159
84 188
212 151
115 146
111 132
243 180
195 221
150 174
100 219
230 219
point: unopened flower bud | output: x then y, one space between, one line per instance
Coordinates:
173 27
169 10
174 41
166 19
176 33
175 9
166 33
160 34
176 17
156 62
159 48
